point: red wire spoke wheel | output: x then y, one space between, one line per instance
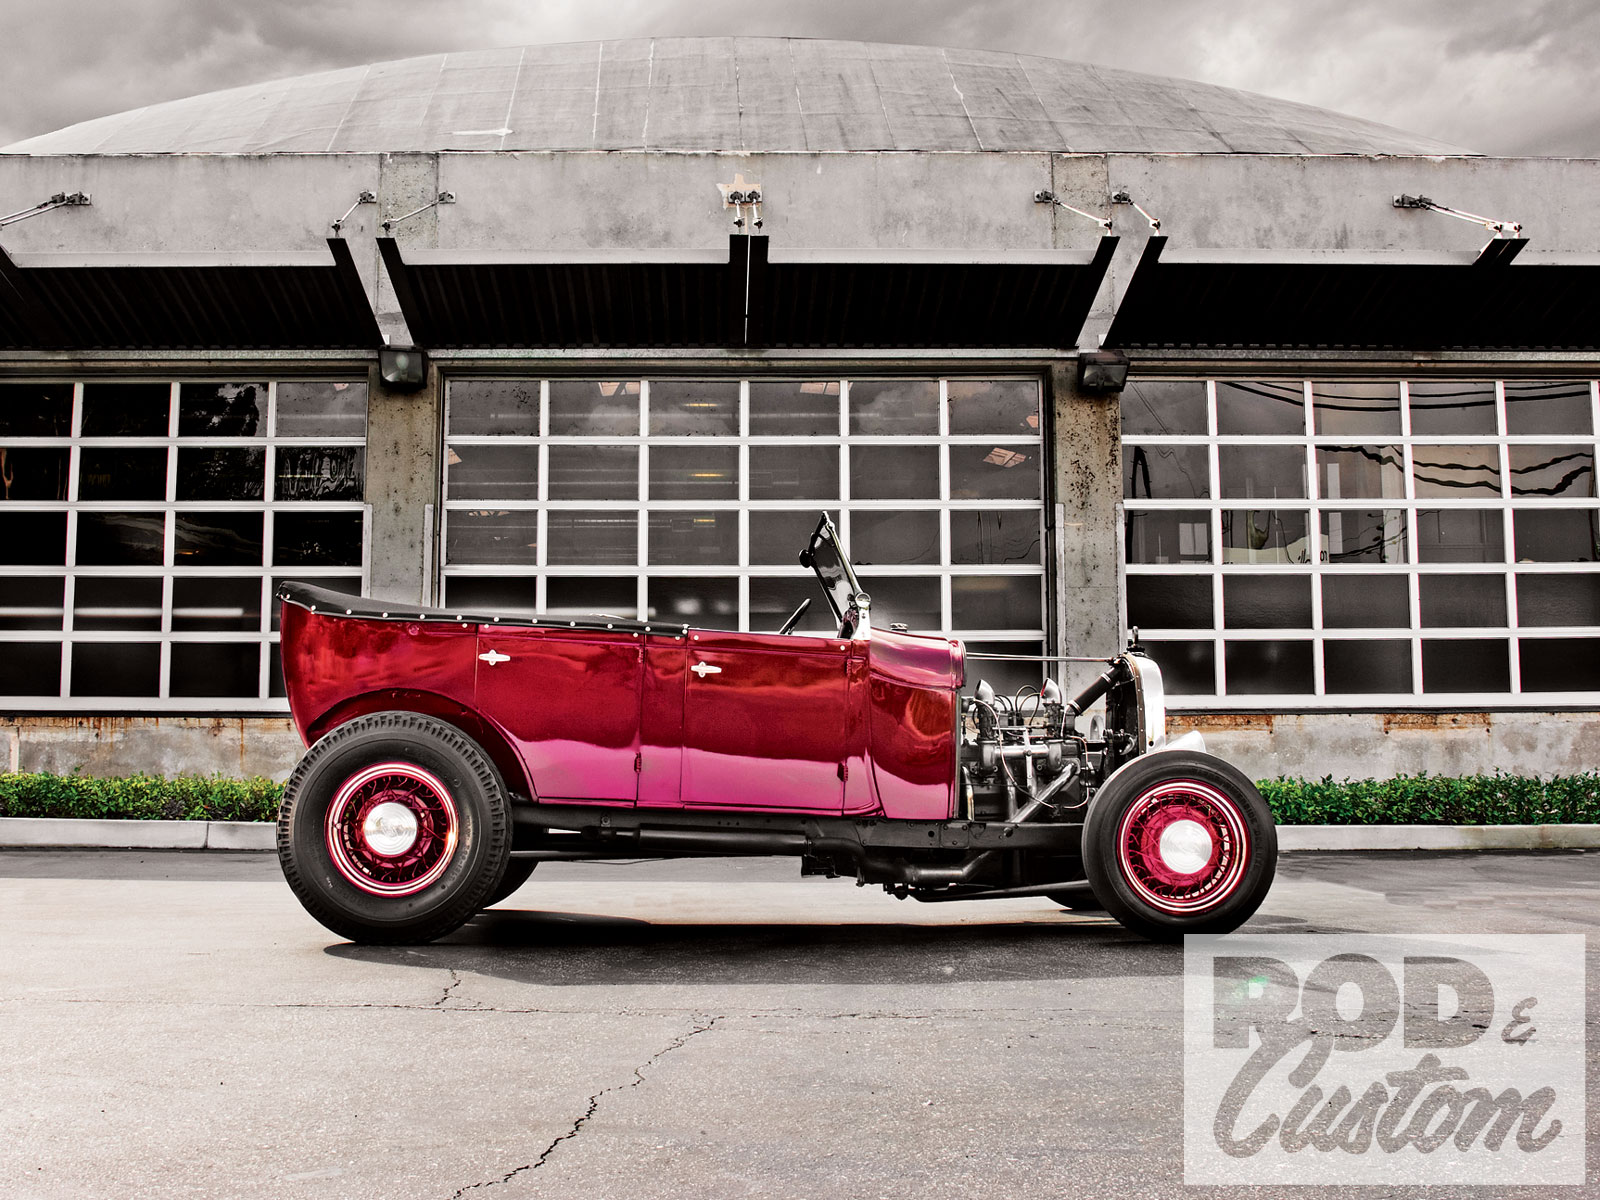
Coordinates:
392 829
1182 846
1178 842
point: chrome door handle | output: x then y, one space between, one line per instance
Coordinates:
494 657
703 669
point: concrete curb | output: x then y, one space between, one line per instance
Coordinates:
262 835
138 835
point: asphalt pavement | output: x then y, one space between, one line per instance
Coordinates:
174 1025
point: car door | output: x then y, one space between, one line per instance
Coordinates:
764 722
569 702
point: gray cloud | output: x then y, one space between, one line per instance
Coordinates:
1502 79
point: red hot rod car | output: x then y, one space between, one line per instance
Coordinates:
452 752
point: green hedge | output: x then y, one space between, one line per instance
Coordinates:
1435 800
1406 800
139 797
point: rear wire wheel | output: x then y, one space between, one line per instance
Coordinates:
1179 842
394 828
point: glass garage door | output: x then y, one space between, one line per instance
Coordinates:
687 500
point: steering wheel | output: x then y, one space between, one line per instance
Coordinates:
794 617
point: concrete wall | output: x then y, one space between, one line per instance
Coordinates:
125 745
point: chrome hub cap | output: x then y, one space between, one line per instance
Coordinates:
390 829
1185 847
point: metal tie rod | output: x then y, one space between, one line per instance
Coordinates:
1504 228
59 200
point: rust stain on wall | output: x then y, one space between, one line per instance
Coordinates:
1434 722
1220 722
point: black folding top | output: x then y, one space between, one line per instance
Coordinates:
328 603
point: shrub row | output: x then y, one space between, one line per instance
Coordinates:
1405 800
139 797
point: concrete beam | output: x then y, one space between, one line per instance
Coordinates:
403 438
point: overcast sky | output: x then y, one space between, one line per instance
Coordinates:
1500 77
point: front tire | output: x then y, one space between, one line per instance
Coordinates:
1179 842
394 828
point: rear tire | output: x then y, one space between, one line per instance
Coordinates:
394 828
1179 842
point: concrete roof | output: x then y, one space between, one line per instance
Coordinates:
739 94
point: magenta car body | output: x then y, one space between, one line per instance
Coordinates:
452 751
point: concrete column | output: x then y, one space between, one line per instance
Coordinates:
1088 522
404 431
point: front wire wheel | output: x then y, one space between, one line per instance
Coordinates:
394 828
1179 842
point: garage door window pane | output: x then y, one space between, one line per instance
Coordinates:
999 407
222 410
322 409
1460 535
27 602
1566 535
894 472
593 408
1266 602
101 602
1366 602
1269 668
994 536
1456 408
122 474
1267 535
1560 406
1166 473
594 473
910 602
578 538
480 406
223 670
694 473
33 538
1187 668
116 669
219 473
983 472
591 595
1552 470
1558 599
121 539
1262 472
694 538
1161 406
879 538
227 604
1462 600
321 473
1465 665
37 473
125 409
1456 471
476 472
897 406
708 603
37 410
1560 664
1366 668
1260 408
776 538
1169 601
808 408
31 669
697 407
1352 535
331 539
1360 472
995 601
794 472
772 600
1355 408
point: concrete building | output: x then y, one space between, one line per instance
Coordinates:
1347 492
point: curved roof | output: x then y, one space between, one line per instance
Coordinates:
740 94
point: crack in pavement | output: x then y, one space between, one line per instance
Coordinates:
676 1043
455 982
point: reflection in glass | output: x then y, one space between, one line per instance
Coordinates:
122 539
476 472
894 472
1266 602
1355 408
33 538
772 600
1366 668
222 409
37 410
1280 668
311 539
1262 472
31 669
1364 536
1460 535
1187 668
1000 407
997 602
594 408
221 473
1559 406
703 603
1264 535
1453 408
1366 602
600 538
120 473
1167 473
1169 601
792 408
592 596
1558 599
116 669
1360 472
910 602
1465 665
693 472
1460 601
322 408
794 472
512 594
1446 471
503 406
1007 678
996 536
226 604
1169 537
985 472
29 602
1552 470
126 409
1260 407
776 538
894 406
1564 535
693 538
233 539
1164 406
503 536
33 473
879 538
1560 664
101 602
694 406
594 472
321 472
228 669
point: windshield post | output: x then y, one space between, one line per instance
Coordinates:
851 606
